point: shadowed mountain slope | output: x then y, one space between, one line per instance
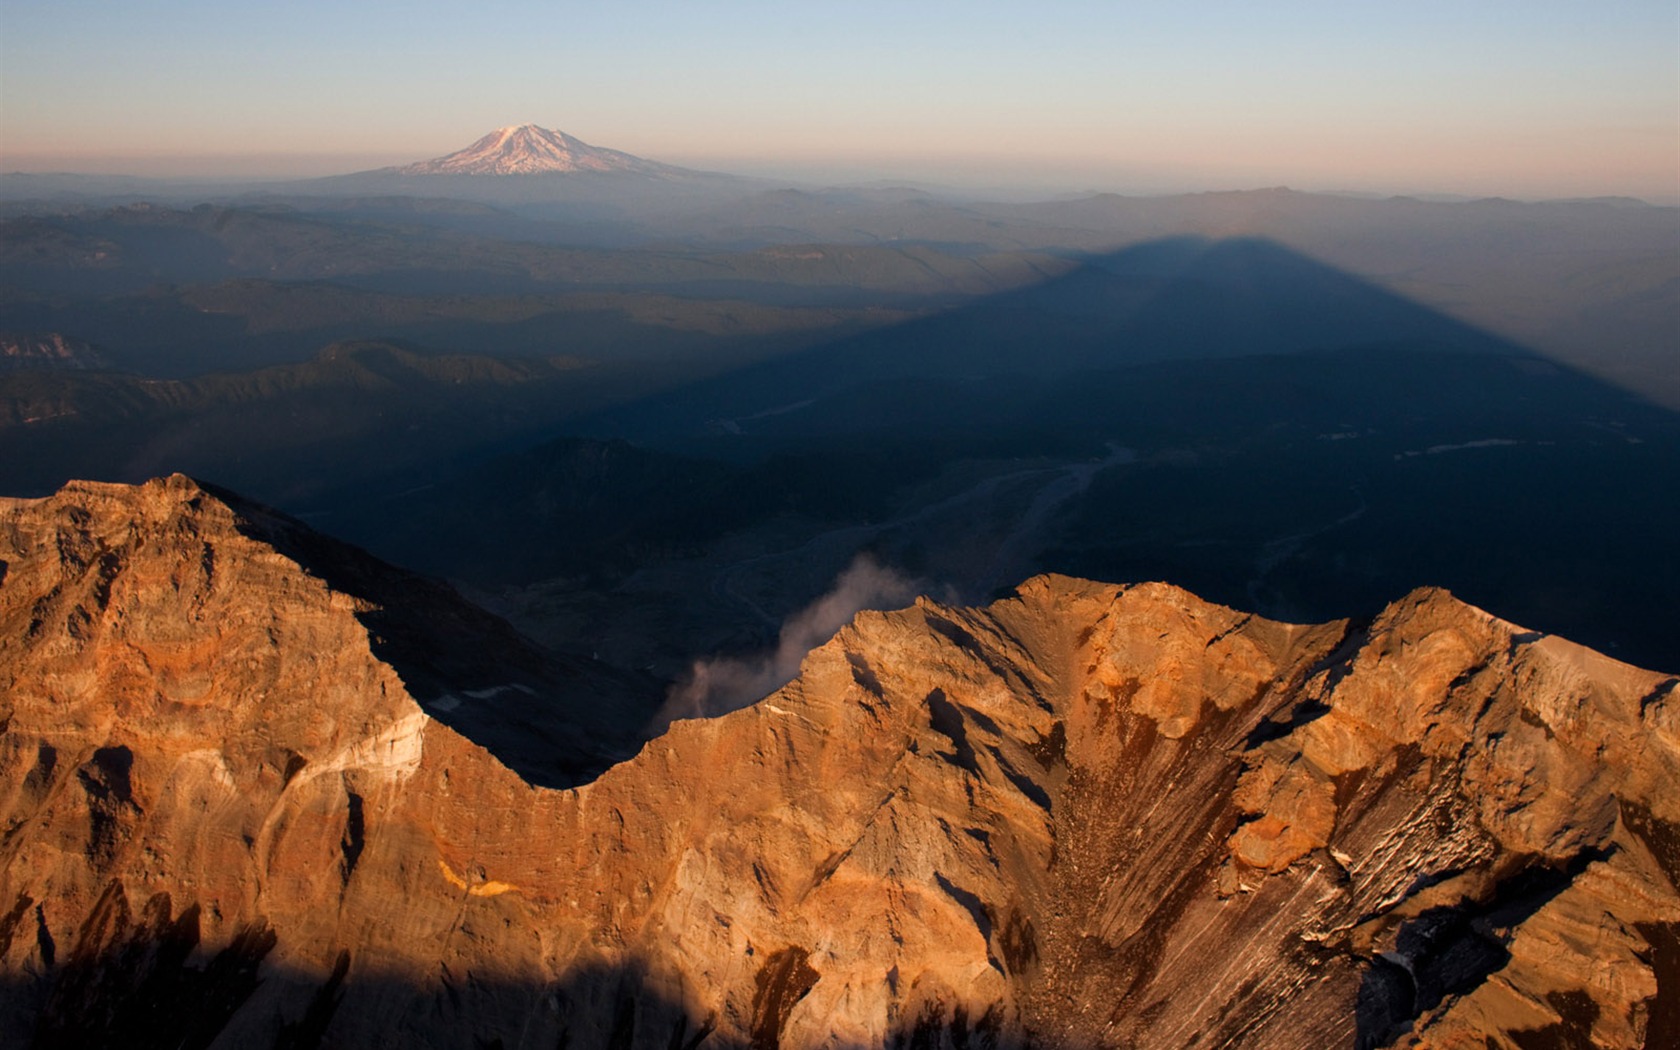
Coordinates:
1084 816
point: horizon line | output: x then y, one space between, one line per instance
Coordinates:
839 175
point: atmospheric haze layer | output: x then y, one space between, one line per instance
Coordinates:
545 596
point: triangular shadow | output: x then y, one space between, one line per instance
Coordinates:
1177 299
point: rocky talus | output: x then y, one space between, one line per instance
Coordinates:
257 792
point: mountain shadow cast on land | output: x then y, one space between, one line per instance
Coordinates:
1305 445
1177 299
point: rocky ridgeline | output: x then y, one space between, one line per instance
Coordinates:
1084 816
47 351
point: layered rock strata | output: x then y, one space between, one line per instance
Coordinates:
1085 816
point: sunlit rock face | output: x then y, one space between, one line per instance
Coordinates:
1085 816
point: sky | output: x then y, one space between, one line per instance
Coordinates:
1539 98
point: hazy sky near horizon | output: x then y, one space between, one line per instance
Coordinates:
1532 98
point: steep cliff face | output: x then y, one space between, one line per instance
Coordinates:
1085 816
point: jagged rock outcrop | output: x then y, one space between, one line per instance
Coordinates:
47 351
1085 816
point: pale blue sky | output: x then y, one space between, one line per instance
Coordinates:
1544 97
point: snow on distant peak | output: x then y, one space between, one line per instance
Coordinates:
526 149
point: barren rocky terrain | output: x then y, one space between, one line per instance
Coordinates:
258 790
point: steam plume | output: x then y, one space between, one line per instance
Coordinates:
718 686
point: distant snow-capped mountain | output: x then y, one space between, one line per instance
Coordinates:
527 149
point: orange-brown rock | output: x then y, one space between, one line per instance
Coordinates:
1084 816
